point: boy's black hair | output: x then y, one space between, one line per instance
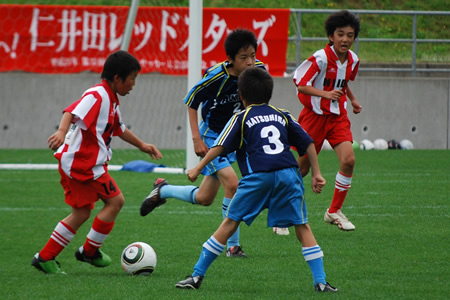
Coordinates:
255 85
341 19
237 39
120 63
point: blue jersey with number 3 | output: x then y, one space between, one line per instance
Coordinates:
262 136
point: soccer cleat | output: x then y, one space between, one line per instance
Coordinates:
322 288
339 219
99 259
235 251
281 231
46 266
153 200
190 282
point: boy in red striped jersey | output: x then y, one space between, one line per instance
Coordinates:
322 84
82 144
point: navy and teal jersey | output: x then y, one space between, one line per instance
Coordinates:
262 136
217 94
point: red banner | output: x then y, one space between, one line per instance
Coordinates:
70 39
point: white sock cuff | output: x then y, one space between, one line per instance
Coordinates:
214 246
96 238
62 235
343 182
311 253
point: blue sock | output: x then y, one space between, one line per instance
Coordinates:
211 249
234 239
313 256
181 192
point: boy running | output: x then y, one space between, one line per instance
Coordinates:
322 84
262 136
83 149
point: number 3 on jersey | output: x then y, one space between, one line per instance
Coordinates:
273 135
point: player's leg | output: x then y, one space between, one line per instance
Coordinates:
229 181
103 224
212 248
313 255
162 190
66 229
346 157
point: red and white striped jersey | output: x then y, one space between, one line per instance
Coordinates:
324 71
86 149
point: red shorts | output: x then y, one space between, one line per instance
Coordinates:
334 128
79 194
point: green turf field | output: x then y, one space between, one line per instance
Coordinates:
399 204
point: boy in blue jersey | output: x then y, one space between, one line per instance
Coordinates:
262 136
216 94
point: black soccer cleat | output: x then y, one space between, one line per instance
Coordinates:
190 282
235 251
322 288
153 200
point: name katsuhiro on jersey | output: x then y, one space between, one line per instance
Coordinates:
267 118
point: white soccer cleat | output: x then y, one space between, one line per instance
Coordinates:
281 231
339 219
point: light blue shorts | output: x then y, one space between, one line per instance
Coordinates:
282 192
219 162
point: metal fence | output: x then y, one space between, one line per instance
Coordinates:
298 38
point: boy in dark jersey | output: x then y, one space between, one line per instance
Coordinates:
216 94
262 136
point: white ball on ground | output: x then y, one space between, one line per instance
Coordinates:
406 144
139 258
380 144
366 145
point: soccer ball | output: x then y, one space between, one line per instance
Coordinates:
326 145
380 144
139 258
355 145
406 144
366 145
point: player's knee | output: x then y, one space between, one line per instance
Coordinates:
348 162
230 187
204 200
116 203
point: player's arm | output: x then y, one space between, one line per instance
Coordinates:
317 181
212 153
57 139
132 139
356 106
200 147
310 90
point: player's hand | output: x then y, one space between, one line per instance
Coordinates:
334 95
317 183
152 151
193 174
200 148
356 106
56 140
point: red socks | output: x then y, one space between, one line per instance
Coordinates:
60 238
341 187
96 236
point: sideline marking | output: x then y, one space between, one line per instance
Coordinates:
165 170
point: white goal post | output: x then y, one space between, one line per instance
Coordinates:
194 59
194 68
